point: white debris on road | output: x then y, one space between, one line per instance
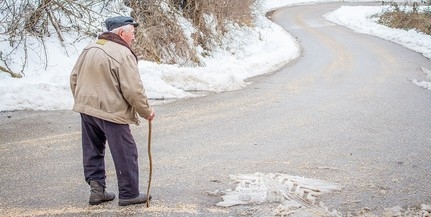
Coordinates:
397 211
294 194
427 83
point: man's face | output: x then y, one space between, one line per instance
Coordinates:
128 35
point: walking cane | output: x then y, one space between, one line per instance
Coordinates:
151 163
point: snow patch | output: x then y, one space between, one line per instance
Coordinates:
294 194
424 84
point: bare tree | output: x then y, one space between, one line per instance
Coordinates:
39 19
161 38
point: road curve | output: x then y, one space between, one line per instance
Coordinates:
372 120
345 111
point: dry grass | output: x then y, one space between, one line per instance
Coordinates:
162 38
413 19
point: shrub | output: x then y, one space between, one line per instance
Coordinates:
174 31
413 18
163 37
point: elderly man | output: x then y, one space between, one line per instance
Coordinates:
109 95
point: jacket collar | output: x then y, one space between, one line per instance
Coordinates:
117 39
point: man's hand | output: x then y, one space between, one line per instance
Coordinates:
151 117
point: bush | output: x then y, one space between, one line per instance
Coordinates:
174 31
162 38
411 18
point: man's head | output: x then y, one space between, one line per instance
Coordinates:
122 26
115 22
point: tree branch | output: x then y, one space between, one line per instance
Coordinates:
14 75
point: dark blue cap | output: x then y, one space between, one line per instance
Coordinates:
115 22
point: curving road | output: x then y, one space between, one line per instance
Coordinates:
346 111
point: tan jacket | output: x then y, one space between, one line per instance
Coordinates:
106 84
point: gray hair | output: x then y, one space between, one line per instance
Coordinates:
125 28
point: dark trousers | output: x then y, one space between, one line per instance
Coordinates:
95 133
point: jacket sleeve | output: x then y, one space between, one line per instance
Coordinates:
74 73
131 86
73 79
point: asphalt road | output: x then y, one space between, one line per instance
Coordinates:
346 111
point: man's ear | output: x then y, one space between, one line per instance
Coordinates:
120 32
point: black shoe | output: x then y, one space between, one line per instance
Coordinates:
98 194
142 198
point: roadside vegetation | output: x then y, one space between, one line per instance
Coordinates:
409 15
172 31
165 24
